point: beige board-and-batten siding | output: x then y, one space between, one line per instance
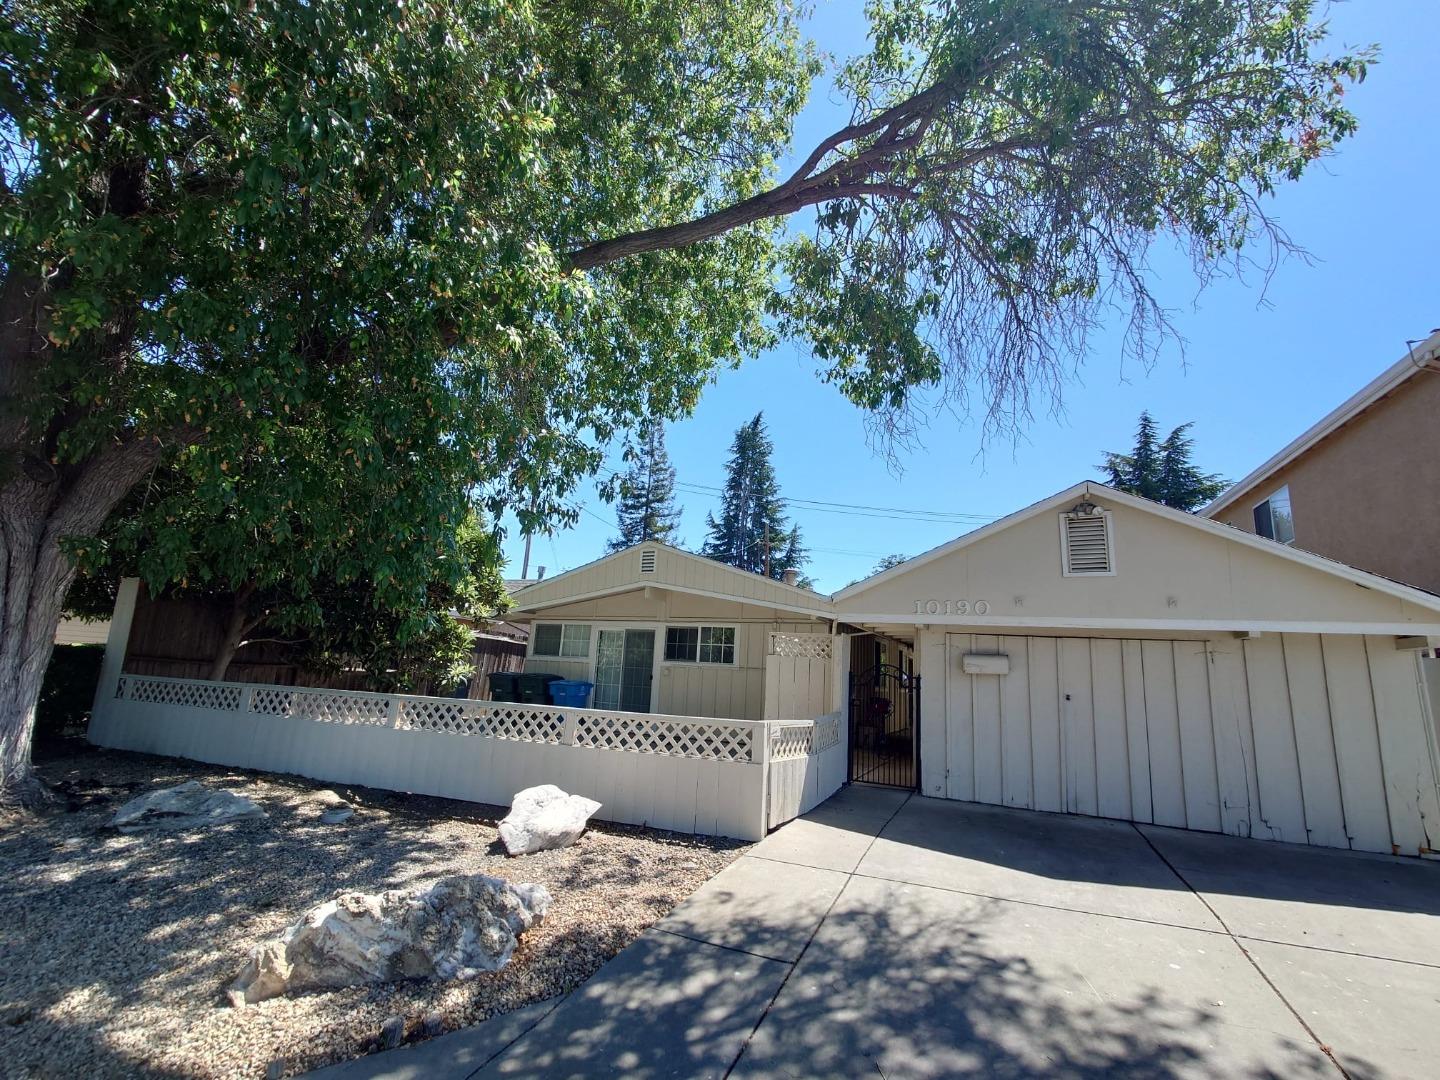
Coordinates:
1275 737
1206 680
672 570
683 687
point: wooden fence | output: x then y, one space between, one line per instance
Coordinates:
178 638
686 773
807 765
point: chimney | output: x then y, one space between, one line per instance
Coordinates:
790 576
541 575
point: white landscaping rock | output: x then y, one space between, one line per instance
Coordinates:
455 929
545 817
185 806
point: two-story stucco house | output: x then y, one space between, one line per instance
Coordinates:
1361 486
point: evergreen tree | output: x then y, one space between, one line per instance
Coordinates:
752 513
1182 484
1163 471
792 556
647 509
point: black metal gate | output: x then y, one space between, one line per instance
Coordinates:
885 726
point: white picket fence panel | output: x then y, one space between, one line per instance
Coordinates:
686 773
807 765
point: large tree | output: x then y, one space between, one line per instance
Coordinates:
1163 470
471 241
753 531
646 509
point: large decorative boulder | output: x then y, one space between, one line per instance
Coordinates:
545 817
455 929
185 806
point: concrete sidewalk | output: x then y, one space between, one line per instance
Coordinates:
890 935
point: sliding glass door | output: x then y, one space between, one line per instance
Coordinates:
624 668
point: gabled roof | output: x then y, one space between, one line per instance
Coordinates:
1424 357
1093 490
673 569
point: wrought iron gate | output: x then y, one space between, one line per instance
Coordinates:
884 726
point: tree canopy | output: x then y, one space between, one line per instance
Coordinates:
1163 470
455 247
646 509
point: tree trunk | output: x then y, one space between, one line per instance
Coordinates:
36 578
44 502
237 625
40 508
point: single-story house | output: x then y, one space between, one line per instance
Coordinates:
660 630
1094 653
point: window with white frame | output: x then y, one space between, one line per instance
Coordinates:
700 644
561 639
1273 519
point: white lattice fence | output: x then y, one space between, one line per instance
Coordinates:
789 741
324 706
692 774
802 646
807 766
715 740
195 695
492 720
798 676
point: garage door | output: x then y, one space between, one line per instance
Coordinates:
1291 737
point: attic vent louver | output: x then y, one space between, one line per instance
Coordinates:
647 561
1087 546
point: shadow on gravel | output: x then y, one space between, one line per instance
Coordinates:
99 928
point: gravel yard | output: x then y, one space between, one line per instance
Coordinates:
118 948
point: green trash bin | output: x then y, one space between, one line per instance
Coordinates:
533 688
504 685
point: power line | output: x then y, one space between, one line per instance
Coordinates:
858 509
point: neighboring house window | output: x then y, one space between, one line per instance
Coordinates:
700 644
1273 519
562 639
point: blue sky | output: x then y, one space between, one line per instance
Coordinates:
1255 369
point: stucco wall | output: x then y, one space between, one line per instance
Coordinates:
1369 494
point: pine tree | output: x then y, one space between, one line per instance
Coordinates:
1163 471
1138 471
752 514
792 556
647 509
1182 484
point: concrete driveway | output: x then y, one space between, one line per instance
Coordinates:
889 935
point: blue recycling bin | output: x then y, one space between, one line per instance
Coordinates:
572 692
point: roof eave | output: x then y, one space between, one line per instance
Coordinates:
1387 382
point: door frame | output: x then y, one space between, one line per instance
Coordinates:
658 629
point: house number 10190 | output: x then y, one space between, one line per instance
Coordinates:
952 607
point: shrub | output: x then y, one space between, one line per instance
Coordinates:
68 690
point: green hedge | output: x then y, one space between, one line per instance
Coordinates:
68 690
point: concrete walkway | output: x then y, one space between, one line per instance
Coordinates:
886 935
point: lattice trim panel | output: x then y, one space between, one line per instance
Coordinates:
802 646
791 741
194 695
327 708
827 734
653 735
493 721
